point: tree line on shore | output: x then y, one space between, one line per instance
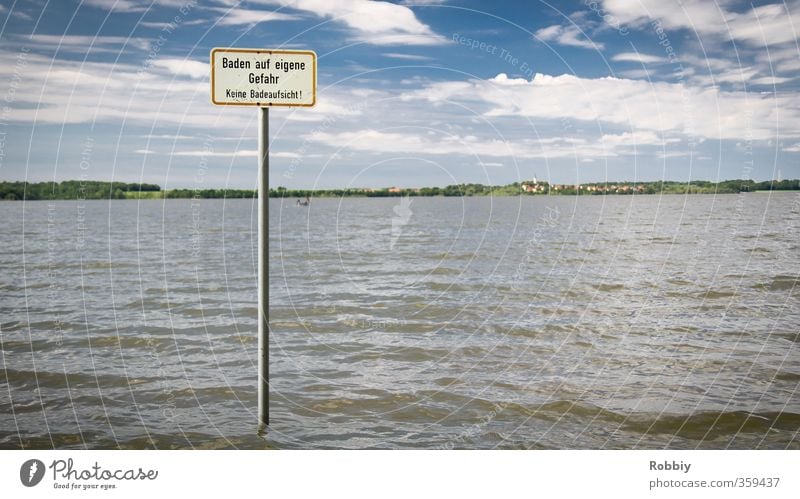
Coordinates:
79 189
71 189
544 188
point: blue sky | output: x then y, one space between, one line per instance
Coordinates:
409 94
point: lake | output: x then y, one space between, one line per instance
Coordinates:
587 322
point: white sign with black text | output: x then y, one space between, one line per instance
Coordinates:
263 77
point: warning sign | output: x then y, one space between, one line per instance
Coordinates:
263 77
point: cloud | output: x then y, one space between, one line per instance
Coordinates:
155 24
638 138
759 26
676 108
208 153
768 80
166 136
673 154
422 2
184 67
248 17
409 57
370 140
171 25
570 35
372 22
636 74
410 143
710 63
765 25
784 60
117 5
284 154
637 57
712 71
84 44
219 154
133 5
697 14
63 91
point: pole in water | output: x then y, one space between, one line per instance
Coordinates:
228 89
263 268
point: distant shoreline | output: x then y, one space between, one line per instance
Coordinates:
96 190
291 200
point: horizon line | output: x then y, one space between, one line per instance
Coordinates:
604 182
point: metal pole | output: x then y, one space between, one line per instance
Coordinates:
263 268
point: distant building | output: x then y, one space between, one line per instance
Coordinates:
394 189
533 186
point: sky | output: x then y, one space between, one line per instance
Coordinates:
410 94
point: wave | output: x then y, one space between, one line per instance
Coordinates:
48 379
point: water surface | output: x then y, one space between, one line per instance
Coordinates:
519 322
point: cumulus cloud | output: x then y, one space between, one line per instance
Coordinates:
61 91
373 22
705 112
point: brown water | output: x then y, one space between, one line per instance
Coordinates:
531 322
